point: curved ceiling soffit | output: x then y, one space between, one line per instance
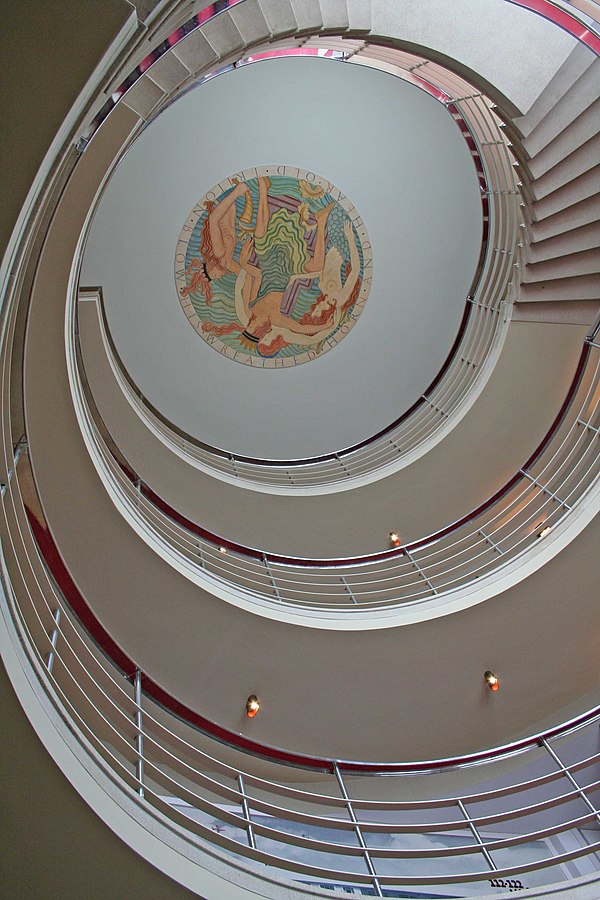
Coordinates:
245 743
295 390
508 571
566 20
448 421
283 481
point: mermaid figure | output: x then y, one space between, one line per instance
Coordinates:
261 322
217 242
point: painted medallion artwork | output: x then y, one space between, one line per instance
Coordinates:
273 266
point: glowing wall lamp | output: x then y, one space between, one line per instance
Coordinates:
252 706
394 539
546 530
491 680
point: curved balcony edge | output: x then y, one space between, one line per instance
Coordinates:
199 866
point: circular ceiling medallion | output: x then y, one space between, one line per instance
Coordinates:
273 266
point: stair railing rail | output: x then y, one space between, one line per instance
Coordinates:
484 323
558 477
530 808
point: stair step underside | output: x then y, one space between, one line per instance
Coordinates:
335 15
280 17
223 35
585 262
359 15
168 72
582 213
569 312
581 160
585 127
576 64
582 287
249 20
579 189
586 237
143 96
194 51
308 15
573 104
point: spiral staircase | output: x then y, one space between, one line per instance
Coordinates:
152 579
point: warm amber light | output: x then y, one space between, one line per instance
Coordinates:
394 539
545 531
252 706
491 680
222 549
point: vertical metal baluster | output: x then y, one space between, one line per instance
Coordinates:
342 464
420 570
544 743
348 589
246 812
589 426
357 831
139 739
544 488
435 406
271 576
21 445
491 542
53 640
477 836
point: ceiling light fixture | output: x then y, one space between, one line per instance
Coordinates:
252 706
222 549
394 539
491 680
545 531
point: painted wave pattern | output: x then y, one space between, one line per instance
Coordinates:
286 236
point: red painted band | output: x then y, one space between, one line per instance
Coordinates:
563 19
75 600
281 559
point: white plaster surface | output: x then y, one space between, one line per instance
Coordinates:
400 159
512 48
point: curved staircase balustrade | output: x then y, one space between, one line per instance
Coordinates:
561 472
150 742
126 736
575 17
479 337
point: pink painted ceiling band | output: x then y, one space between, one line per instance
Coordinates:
568 22
281 559
563 19
51 555
49 552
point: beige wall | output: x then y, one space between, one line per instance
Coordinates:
47 53
53 845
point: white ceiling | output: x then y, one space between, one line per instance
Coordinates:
401 160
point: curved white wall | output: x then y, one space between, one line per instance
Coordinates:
402 161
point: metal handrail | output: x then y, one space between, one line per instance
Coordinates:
556 477
43 633
110 724
566 14
483 325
